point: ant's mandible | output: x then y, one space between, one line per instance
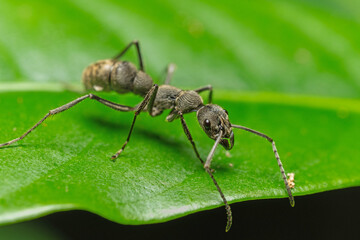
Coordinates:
122 77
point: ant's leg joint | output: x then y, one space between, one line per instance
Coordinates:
208 169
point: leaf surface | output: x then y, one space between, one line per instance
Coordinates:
65 163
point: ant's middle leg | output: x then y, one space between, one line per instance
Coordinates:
148 101
206 88
137 45
188 135
67 106
170 69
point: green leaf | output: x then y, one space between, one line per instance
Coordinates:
65 163
303 47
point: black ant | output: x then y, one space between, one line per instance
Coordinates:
122 77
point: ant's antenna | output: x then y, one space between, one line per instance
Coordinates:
291 198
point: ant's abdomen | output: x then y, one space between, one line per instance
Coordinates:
119 76
97 76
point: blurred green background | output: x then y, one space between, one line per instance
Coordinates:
302 47
298 47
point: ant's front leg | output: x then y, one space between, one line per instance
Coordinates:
206 88
208 169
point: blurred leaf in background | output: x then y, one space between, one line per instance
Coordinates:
286 48
306 47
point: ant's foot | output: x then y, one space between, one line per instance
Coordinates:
116 155
4 144
209 169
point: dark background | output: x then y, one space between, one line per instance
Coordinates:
327 215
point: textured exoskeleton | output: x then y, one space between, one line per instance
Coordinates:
120 76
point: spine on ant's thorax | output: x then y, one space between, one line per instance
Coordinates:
120 76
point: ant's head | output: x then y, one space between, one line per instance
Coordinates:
215 120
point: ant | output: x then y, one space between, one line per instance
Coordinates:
123 77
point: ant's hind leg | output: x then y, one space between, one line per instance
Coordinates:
137 45
206 88
148 101
67 106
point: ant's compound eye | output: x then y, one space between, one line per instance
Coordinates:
226 112
207 124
